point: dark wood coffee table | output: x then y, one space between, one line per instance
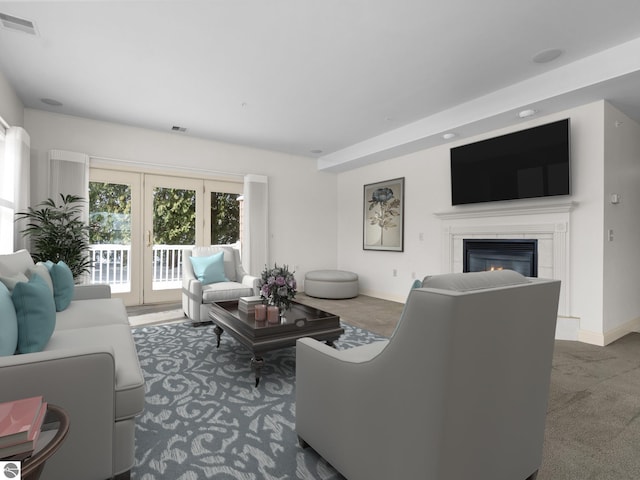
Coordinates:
261 337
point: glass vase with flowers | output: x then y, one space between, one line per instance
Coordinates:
278 286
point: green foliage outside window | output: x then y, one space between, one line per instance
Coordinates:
225 218
110 213
174 217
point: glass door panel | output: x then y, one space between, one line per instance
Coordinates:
223 222
172 207
225 218
114 203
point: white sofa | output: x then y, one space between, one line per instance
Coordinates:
459 391
196 295
90 368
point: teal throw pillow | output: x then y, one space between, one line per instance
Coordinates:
209 269
36 313
63 284
8 323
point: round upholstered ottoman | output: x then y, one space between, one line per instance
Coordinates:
331 284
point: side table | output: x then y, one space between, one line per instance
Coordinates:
54 430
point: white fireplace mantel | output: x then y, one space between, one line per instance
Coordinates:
503 210
547 222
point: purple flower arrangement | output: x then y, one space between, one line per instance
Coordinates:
278 286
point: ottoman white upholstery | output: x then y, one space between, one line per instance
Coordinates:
331 284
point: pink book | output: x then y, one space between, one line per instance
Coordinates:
28 445
17 419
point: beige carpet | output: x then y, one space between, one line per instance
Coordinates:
155 314
373 314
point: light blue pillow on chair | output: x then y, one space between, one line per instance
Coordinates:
8 323
209 269
63 284
36 313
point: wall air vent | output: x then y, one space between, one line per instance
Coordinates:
15 23
178 129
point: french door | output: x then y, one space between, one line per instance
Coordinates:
145 221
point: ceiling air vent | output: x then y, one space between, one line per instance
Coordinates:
178 129
16 23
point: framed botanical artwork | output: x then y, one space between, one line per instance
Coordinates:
383 216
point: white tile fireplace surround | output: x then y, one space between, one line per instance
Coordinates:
548 223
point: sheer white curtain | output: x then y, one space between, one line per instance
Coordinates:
69 175
14 188
6 200
255 251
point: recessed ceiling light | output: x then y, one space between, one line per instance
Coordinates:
527 113
316 151
51 101
449 135
546 56
176 128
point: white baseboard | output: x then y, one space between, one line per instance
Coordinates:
385 296
602 339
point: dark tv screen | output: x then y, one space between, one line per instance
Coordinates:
526 164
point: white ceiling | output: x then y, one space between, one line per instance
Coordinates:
360 80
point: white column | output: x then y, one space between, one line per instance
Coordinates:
255 251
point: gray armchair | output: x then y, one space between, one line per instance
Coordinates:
460 389
196 295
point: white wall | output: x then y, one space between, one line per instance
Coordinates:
427 191
621 259
11 108
302 201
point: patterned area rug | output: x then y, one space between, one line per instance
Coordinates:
204 418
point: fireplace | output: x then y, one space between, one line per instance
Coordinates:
481 255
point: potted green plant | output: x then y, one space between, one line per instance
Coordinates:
57 232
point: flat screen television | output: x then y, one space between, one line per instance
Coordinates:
526 164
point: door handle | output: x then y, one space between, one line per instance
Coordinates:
148 238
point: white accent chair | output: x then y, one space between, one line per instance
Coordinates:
460 390
195 295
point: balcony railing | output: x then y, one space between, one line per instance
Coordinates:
111 264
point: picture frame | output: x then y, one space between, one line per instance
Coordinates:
383 216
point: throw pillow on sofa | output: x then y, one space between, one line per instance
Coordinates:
8 323
36 314
209 269
63 284
43 270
